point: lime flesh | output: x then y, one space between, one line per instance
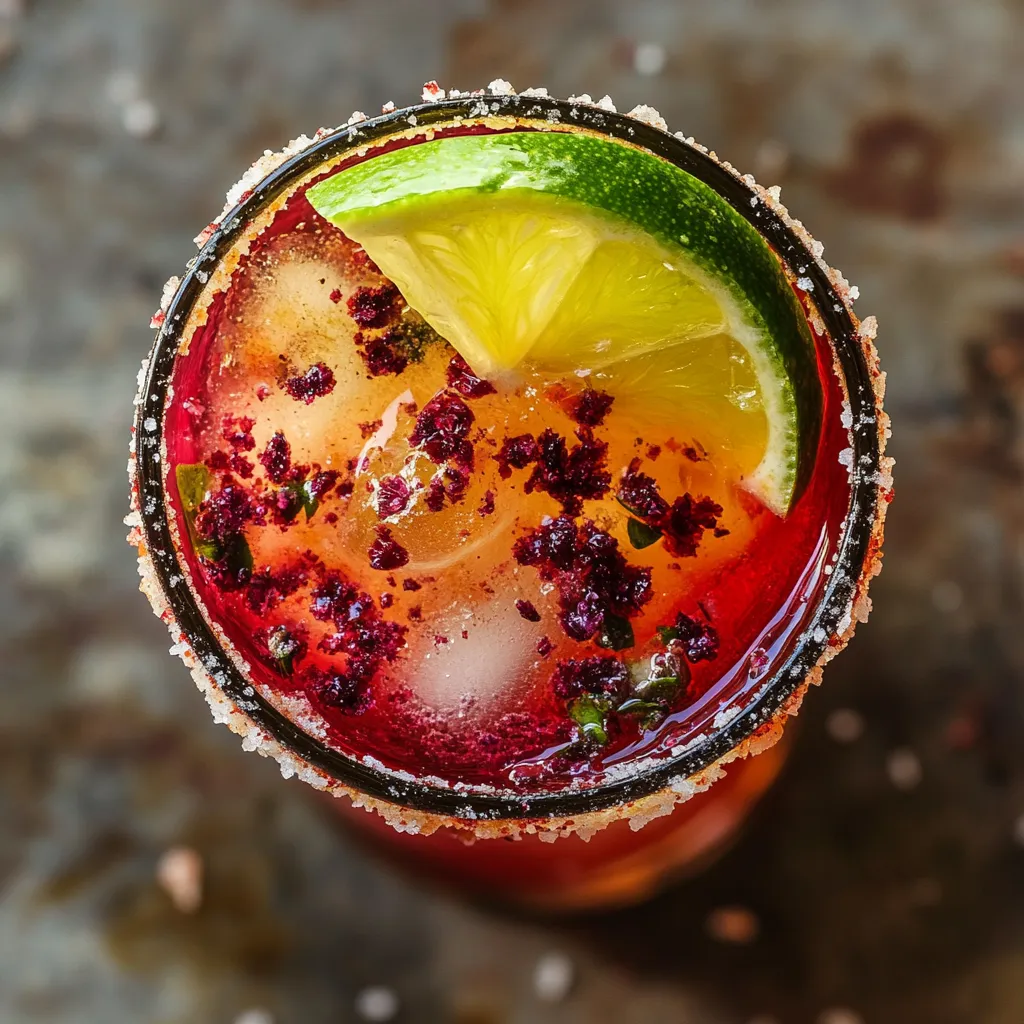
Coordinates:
561 253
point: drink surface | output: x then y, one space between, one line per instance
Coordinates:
524 582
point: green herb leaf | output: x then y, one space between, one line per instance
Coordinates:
649 712
668 634
616 633
310 502
589 713
657 688
238 556
641 535
193 482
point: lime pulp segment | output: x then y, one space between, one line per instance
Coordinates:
567 252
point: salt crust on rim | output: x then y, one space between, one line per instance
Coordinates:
640 811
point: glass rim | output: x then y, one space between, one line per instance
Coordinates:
855 548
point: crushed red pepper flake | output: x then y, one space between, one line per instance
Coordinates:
335 295
527 610
545 646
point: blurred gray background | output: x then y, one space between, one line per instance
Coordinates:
882 881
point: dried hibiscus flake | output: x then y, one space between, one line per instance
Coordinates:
516 453
590 407
570 476
462 379
277 458
527 610
639 493
596 585
393 495
602 675
316 382
238 432
685 523
700 640
386 553
375 307
442 427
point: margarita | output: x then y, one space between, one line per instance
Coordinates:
504 460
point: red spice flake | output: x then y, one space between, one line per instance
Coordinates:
381 356
487 505
591 574
225 513
331 518
598 675
369 428
692 454
590 407
386 553
157 319
682 523
375 307
238 432
442 427
321 482
439 640
685 523
639 493
465 381
219 461
345 488
434 498
263 392
393 495
347 692
416 613
387 600
277 458
700 640
570 476
241 465
544 646
516 453
432 91
465 634
720 531
456 482
411 585
335 295
267 588
653 451
527 610
316 382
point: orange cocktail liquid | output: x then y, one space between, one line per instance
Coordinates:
401 552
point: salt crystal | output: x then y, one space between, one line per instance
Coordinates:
854 292
432 92
376 1003
845 725
553 976
649 59
605 103
388 107
805 284
647 114
499 87
904 769
179 873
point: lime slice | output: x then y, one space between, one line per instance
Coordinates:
560 253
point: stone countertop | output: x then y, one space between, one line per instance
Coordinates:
883 880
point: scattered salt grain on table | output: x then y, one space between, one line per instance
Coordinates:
179 872
553 977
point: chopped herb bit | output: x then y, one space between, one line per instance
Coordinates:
193 482
616 633
641 535
284 648
591 717
656 688
649 712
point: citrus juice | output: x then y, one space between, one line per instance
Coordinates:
495 483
